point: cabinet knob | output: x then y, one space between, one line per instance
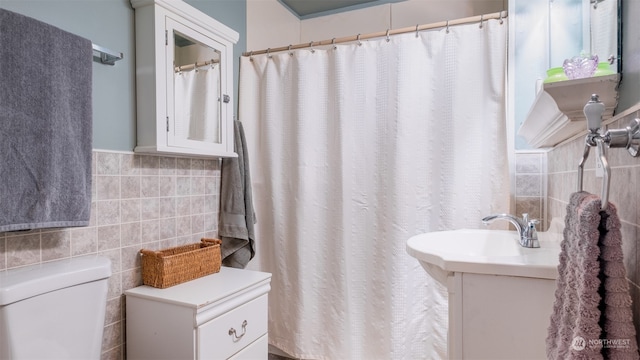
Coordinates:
232 332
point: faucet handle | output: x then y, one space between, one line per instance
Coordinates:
529 222
532 235
531 225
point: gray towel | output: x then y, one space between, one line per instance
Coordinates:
237 216
45 125
592 317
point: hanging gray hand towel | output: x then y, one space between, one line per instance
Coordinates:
45 125
237 216
592 317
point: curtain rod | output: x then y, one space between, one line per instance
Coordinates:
442 24
195 65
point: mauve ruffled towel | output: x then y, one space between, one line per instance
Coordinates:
592 317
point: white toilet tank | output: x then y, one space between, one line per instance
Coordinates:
54 310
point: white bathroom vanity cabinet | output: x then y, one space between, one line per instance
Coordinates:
184 81
220 316
500 294
498 317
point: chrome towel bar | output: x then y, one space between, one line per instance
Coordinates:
106 56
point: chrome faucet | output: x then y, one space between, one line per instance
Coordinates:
526 228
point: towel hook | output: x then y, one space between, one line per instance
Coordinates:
593 111
585 155
628 138
604 196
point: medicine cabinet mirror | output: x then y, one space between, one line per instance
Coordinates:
589 26
542 35
184 80
196 89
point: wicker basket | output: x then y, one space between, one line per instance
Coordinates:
172 266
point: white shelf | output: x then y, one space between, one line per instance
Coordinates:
557 112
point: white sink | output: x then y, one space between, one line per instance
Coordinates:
495 252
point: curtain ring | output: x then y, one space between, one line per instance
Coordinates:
417 30
251 56
358 40
447 27
269 53
481 19
333 42
388 36
311 47
501 18
290 52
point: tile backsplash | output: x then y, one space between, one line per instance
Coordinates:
138 201
624 193
531 185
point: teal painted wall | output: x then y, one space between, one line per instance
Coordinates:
110 23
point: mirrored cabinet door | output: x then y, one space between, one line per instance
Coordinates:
194 92
184 80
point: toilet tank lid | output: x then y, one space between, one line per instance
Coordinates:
25 282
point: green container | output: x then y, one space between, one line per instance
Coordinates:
604 68
555 74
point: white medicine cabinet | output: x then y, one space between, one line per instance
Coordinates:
184 75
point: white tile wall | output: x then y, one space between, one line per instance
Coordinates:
531 189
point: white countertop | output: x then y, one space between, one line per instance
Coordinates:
495 252
206 290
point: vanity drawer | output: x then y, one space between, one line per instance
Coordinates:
215 338
258 350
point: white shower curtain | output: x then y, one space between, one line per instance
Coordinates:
194 101
354 150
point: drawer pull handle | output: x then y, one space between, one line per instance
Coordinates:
232 331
